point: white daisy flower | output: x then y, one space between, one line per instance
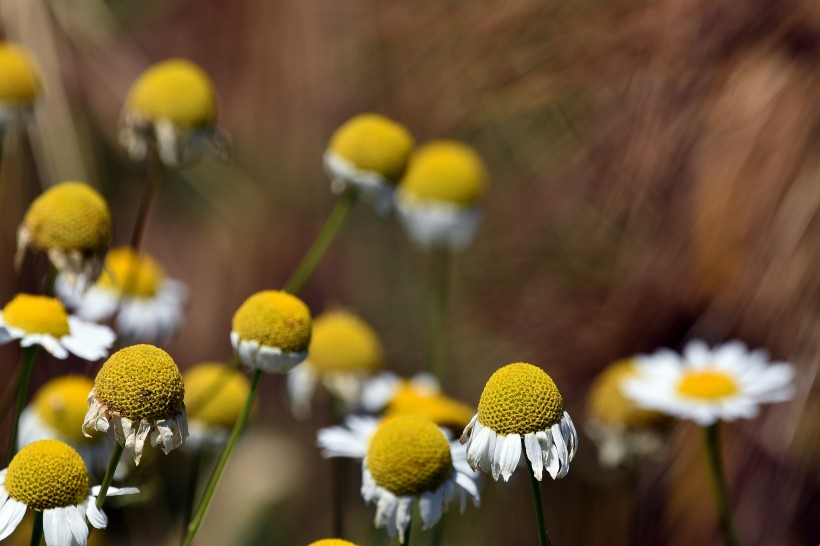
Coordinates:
710 385
139 394
148 305
368 153
49 476
214 397
40 320
520 402
20 86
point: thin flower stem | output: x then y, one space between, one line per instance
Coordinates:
152 183
14 384
438 531
29 354
37 528
109 474
50 280
199 515
193 481
543 536
719 484
322 242
439 281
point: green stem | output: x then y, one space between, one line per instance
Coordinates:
109 474
37 528
322 242
29 354
543 536
719 486
14 384
438 531
152 183
208 494
439 278
52 278
193 481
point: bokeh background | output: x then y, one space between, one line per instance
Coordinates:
655 179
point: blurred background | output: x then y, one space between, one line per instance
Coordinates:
655 179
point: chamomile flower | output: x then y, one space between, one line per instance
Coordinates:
625 433
149 306
40 320
520 402
271 331
19 84
438 199
49 476
368 153
710 385
344 352
72 224
172 106
331 542
214 397
139 394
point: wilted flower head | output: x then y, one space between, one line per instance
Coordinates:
19 83
214 397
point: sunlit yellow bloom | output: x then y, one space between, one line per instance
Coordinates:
19 83
214 397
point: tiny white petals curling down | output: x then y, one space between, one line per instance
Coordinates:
379 390
87 340
373 187
265 358
303 379
432 223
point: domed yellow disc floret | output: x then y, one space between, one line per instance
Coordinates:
19 82
607 404
135 276
175 90
331 542
409 455
62 403
448 171
214 393
69 216
37 315
707 385
435 407
520 399
373 143
47 474
342 342
274 319
141 382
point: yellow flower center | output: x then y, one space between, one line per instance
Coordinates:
446 171
37 315
373 143
519 399
47 474
440 409
409 455
331 542
342 342
19 84
175 90
141 382
214 393
606 402
62 403
707 385
69 216
274 319
135 276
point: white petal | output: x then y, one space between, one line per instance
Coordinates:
11 513
510 455
95 516
301 382
76 522
534 455
430 504
56 528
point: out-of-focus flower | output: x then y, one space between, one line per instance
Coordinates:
344 352
271 331
172 106
331 542
151 306
19 84
625 433
40 320
139 394
214 397
49 476
71 222
368 153
710 385
520 401
438 199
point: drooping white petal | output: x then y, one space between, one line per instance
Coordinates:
534 455
11 514
56 528
75 517
430 503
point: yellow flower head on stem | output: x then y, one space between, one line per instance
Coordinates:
341 342
446 171
62 403
19 80
372 143
47 474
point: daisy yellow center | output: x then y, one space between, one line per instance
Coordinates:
342 342
19 84
409 455
136 276
707 385
62 403
607 404
47 474
175 90
373 143
214 393
69 216
519 399
37 315
274 319
440 409
331 542
446 171
141 382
